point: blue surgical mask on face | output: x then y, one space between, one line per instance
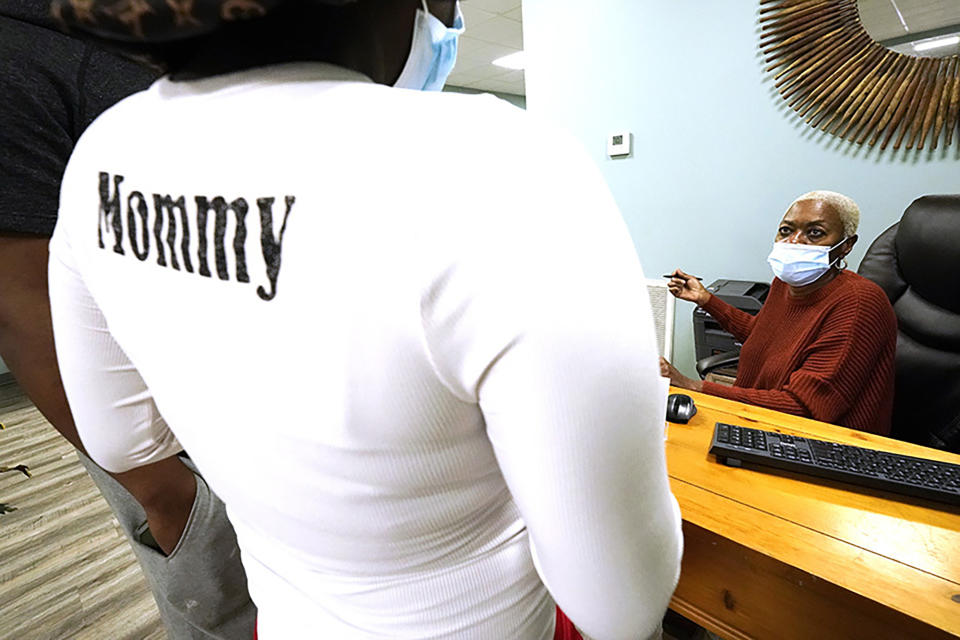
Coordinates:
801 264
433 52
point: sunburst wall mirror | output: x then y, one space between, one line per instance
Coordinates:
874 72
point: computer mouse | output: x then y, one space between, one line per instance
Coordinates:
680 408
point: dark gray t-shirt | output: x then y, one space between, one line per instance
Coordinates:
52 87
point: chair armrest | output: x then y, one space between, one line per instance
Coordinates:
717 361
946 438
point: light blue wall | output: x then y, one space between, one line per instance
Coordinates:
717 156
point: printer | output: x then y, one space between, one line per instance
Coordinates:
708 336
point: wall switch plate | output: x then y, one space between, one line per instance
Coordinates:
620 144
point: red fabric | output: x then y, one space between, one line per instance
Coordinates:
565 629
827 356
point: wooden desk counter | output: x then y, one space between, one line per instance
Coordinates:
779 555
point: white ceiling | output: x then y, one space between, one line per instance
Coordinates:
494 29
888 19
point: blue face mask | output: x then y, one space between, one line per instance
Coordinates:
801 264
433 52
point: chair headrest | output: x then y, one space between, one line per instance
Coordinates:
928 249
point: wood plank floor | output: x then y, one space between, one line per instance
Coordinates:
66 570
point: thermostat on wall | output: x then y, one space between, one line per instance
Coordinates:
620 144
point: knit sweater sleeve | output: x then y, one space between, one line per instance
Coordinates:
835 366
739 323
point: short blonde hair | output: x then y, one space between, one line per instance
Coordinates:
845 207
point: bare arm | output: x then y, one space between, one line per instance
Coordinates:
165 489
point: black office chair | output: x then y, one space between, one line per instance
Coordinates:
718 362
917 263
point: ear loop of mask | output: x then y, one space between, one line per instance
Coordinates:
839 259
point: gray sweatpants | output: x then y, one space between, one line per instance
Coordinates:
201 588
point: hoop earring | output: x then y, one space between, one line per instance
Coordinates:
843 264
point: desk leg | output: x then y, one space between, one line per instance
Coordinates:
741 594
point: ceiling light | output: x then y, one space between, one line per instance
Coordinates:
513 61
934 44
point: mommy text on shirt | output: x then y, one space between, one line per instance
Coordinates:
164 213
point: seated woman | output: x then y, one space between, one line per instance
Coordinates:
823 344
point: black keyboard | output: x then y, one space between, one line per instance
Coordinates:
917 477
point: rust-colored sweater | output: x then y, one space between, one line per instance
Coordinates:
827 356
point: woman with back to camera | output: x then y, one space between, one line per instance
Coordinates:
391 326
823 344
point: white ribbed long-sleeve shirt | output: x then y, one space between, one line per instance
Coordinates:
404 336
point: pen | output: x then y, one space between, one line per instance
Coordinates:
670 275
